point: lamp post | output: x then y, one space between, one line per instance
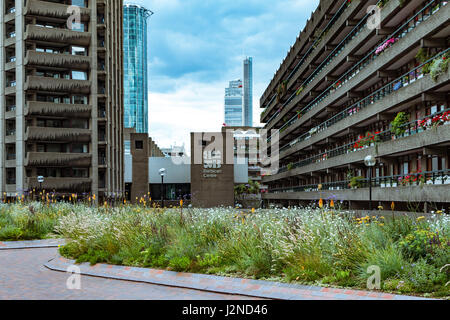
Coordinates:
40 179
162 173
370 161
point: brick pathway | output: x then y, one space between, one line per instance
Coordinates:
236 286
23 276
32 274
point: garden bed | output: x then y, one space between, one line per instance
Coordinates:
306 246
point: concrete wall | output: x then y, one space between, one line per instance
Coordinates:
212 187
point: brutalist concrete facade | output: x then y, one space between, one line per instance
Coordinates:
61 97
212 169
353 70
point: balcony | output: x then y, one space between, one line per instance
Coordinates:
35 58
61 183
414 139
58 109
57 85
424 22
57 35
423 187
387 96
58 159
53 10
58 134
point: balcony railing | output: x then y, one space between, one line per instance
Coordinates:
393 86
401 32
314 45
336 51
411 128
441 177
10 132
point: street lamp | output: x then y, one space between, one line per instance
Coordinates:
370 161
162 173
40 179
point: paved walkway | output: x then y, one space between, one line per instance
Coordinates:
31 274
24 277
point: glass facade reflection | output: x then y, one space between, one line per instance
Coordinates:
135 68
248 92
233 104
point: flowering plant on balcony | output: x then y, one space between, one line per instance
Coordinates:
386 45
412 179
337 84
435 121
439 66
367 140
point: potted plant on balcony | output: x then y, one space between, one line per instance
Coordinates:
356 182
290 166
281 91
398 125
439 66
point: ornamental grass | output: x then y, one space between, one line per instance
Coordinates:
324 247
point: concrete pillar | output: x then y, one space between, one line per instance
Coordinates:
94 98
20 99
2 100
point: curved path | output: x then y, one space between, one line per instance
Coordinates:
23 276
34 270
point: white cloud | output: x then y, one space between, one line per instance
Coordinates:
193 107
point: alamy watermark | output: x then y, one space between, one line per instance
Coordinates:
74 20
374 281
74 280
374 20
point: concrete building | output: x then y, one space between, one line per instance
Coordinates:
184 178
138 149
350 87
61 97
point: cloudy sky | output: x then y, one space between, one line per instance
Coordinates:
197 46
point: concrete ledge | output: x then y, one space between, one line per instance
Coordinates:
234 286
426 193
36 244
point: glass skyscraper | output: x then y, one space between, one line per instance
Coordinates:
233 104
248 92
135 67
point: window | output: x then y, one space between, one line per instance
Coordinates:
80 3
79 75
79 51
139 144
80 100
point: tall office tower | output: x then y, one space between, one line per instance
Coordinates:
248 92
381 92
135 67
233 104
61 98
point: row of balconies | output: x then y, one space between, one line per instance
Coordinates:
368 110
315 47
323 24
345 57
413 140
429 186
